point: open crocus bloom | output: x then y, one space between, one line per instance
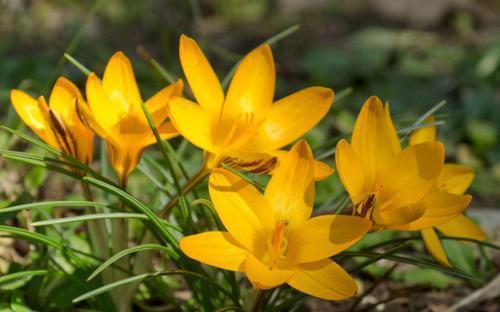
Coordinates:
272 237
57 123
453 179
114 112
244 129
391 186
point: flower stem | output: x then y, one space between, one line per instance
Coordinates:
194 181
259 299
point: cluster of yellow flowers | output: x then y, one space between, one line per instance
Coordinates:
272 236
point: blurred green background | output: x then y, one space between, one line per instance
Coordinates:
412 53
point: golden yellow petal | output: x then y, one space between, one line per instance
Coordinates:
258 163
324 236
433 245
218 249
119 82
324 279
461 226
290 191
191 122
106 113
201 77
263 277
410 175
166 132
251 90
351 171
374 138
440 207
242 209
27 109
455 178
290 118
62 99
422 135
321 169
157 105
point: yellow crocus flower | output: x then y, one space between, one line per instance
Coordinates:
453 179
114 112
57 123
272 237
391 186
244 128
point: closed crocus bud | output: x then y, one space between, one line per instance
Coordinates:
57 122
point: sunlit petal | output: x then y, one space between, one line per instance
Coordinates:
433 245
374 138
290 191
157 104
422 135
219 249
461 226
201 77
324 236
262 276
324 279
291 117
119 82
410 175
191 122
455 178
242 209
350 171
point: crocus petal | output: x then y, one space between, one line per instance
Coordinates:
252 162
119 82
374 138
242 209
321 169
350 171
201 77
157 104
87 118
410 175
63 96
215 248
440 207
263 277
422 135
324 236
401 216
124 159
290 191
461 226
191 121
27 108
291 117
251 90
324 279
455 178
55 128
105 112
166 131
433 245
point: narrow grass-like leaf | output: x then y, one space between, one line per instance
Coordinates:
128 251
244 177
138 278
19 275
386 254
137 205
164 152
271 41
56 203
32 236
77 64
89 217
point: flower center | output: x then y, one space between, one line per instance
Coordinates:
277 244
365 207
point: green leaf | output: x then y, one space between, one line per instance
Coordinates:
19 275
47 204
33 236
128 251
159 225
88 217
